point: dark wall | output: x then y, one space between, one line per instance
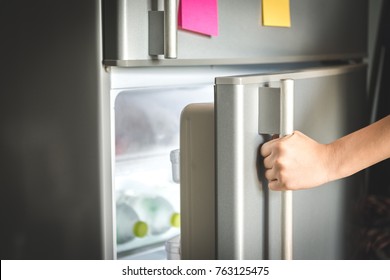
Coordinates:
380 173
374 209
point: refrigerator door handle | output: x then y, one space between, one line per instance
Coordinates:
286 128
276 116
163 30
170 28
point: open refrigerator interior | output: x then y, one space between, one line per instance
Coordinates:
147 198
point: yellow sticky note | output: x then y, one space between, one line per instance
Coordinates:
276 13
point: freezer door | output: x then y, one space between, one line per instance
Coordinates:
320 30
328 103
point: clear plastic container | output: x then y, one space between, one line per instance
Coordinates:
157 212
129 225
172 248
175 160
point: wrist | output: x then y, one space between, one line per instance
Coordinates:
332 162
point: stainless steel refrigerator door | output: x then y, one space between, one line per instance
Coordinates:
55 132
329 103
320 30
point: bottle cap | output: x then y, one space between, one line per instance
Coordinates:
175 220
140 229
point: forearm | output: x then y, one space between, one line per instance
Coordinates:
359 149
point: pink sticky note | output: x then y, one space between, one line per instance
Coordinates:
200 16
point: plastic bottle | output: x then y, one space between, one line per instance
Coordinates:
128 224
157 212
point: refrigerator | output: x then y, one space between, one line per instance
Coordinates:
93 100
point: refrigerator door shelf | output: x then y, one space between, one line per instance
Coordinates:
197 186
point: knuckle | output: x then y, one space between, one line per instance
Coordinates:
284 180
267 175
279 165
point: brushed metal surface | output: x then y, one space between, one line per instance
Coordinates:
329 103
55 138
170 26
156 33
287 128
240 197
319 29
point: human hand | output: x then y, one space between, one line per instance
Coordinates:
295 162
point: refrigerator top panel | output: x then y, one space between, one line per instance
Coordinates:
320 30
289 74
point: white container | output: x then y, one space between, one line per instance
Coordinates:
175 160
172 248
